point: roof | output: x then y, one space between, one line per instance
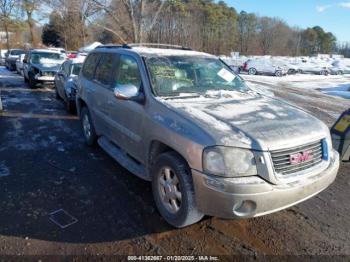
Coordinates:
45 51
146 51
149 49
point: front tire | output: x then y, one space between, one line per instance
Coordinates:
325 73
278 73
70 105
57 95
173 190
31 82
88 127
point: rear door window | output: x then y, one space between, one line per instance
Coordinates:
66 68
104 69
90 65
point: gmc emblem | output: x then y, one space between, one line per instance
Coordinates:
300 157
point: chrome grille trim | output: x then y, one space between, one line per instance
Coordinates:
281 158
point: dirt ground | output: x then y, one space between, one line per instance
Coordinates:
46 166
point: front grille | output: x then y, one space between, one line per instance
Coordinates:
282 158
48 73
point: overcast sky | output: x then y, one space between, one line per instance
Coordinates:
331 15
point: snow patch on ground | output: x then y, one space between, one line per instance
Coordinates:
334 85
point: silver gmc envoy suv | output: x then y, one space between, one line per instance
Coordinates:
209 144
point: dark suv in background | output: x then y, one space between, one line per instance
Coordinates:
41 65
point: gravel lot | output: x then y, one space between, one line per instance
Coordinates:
46 166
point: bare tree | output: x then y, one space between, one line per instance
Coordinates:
266 34
130 20
70 20
29 7
7 9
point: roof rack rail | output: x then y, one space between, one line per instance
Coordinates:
158 45
109 46
130 46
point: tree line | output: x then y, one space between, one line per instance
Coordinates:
205 25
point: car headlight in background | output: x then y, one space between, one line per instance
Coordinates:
229 162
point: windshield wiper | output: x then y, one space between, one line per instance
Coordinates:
183 96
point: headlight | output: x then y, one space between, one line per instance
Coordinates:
229 162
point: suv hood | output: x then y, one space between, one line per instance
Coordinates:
48 67
250 120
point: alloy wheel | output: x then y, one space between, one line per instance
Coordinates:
86 126
170 190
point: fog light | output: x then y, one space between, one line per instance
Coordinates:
245 208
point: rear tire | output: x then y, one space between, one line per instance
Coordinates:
57 95
88 127
252 71
173 190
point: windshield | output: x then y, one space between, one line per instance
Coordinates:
17 52
186 75
76 69
46 58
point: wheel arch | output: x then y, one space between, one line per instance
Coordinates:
80 103
157 147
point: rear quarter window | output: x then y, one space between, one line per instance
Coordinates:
90 65
104 69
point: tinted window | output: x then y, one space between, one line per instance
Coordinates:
176 75
17 52
75 69
90 65
128 71
46 58
66 68
104 69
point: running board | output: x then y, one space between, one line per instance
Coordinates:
123 159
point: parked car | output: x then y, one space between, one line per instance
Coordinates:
209 144
313 68
72 54
264 67
65 82
339 68
2 57
11 57
19 64
41 65
288 67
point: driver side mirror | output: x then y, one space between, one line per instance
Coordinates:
128 92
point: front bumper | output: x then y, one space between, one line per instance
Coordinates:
252 196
